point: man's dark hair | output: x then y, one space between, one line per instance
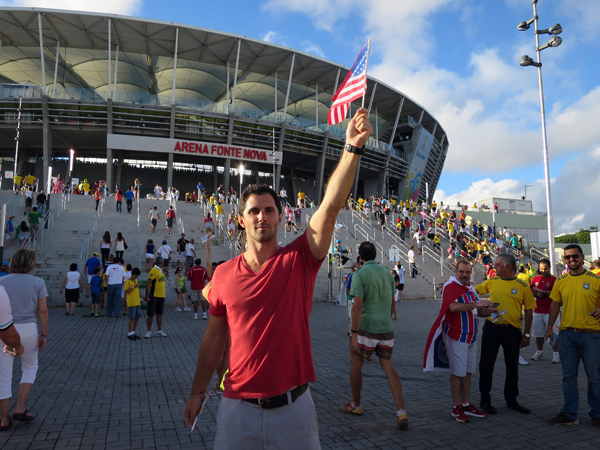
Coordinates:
73 267
96 270
129 267
367 251
463 261
544 261
135 271
256 189
197 261
522 269
574 247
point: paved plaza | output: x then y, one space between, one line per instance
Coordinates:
97 390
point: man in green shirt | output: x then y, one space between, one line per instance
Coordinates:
34 221
373 289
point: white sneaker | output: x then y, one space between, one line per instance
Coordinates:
537 355
187 309
196 316
556 358
177 309
162 333
204 317
522 362
148 335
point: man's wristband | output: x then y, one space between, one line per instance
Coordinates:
354 332
199 393
550 328
356 150
44 335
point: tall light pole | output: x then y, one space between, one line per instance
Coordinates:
554 41
526 186
241 179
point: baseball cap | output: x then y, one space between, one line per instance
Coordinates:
95 254
11 217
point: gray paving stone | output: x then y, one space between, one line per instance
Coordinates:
96 390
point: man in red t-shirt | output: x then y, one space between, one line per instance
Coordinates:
198 275
262 299
541 286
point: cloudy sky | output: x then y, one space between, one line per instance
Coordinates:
459 59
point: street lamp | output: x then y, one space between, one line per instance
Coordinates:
241 179
526 186
554 41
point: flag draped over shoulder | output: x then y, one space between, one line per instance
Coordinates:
354 86
435 357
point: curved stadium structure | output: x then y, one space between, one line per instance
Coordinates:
175 104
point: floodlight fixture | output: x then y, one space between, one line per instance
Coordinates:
527 61
553 30
554 41
524 26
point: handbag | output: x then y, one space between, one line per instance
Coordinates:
125 245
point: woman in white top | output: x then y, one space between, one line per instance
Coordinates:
105 244
73 287
27 296
120 244
23 235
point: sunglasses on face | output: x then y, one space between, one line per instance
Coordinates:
567 257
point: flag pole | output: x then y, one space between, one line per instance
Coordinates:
366 67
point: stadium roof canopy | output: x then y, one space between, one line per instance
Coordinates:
146 61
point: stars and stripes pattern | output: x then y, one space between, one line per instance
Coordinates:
354 86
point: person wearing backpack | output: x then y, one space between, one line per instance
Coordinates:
170 219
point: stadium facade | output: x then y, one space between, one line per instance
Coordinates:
175 104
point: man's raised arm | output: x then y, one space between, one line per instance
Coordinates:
321 225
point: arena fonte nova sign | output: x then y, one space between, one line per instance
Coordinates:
188 147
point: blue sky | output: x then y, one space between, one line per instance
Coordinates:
460 60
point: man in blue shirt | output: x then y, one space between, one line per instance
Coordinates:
129 197
9 230
90 265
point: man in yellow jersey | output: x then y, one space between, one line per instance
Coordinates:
578 292
155 297
523 275
512 295
17 183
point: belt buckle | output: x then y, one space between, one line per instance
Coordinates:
264 403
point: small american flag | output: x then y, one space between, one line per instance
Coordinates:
354 86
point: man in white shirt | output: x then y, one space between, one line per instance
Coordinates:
399 269
499 245
165 252
115 277
413 262
420 237
190 256
158 192
154 218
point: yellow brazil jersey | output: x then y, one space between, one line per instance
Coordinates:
158 282
212 199
525 277
133 297
29 179
219 209
17 179
512 295
596 271
579 296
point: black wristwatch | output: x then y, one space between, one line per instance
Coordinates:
352 149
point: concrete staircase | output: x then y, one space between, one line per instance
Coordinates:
62 245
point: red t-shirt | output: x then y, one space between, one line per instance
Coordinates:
545 284
268 315
197 274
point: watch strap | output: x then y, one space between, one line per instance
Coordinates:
356 150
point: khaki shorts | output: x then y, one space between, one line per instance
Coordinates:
196 296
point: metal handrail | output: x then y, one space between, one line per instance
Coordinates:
50 219
139 234
358 228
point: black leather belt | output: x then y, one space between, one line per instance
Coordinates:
279 400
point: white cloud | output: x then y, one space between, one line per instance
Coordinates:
572 193
274 37
314 49
124 7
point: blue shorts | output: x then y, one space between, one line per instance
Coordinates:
135 312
